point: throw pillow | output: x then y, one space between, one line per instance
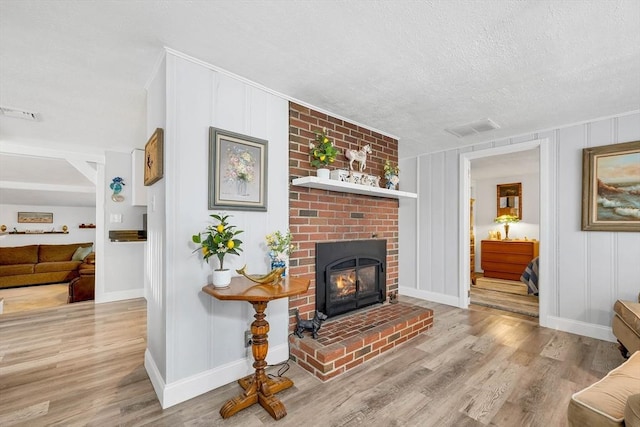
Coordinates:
81 253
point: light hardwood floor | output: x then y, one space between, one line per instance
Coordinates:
82 364
28 298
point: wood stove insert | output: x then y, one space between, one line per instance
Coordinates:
350 275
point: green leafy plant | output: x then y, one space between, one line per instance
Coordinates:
322 152
389 169
280 245
219 240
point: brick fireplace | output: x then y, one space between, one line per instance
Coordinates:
317 216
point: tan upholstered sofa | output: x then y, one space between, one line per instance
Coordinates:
614 401
41 264
626 325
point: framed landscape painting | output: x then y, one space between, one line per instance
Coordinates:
611 187
237 171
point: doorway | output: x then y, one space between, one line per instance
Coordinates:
54 181
501 157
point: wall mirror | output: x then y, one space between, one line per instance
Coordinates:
509 199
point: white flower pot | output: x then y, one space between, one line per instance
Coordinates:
221 278
323 173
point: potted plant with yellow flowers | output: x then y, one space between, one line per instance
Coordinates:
391 175
323 153
219 240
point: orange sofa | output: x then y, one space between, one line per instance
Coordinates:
41 264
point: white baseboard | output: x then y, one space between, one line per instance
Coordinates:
119 295
430 296
581 328
154 375
195 385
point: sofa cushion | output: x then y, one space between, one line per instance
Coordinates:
629 313
603 403
51 253
48 267
19 255
12 270
81 253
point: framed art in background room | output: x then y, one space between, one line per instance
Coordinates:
611 187
153 158
237 171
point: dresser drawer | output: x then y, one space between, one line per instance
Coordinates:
508 258
510 247
506 268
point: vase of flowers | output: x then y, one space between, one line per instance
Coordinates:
506 220
280 248
219 240
240 168
323 153
391 175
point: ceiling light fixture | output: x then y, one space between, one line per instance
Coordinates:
19 114
473 128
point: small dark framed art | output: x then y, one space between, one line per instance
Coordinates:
153 158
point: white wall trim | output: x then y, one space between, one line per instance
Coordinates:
271 91
19 185
154 376
429 296
581 328
60 151
187 388
119 295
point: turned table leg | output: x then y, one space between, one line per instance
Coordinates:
259 387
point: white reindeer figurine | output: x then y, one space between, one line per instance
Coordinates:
358 156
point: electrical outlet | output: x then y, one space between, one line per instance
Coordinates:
247 338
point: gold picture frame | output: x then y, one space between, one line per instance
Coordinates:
509 199
610 187
153 158
35 217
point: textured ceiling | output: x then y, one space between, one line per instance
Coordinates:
407 68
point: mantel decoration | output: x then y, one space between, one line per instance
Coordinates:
116 185
237 171
358 156
506 220
391 175
219 240
323 153
280 248
611 187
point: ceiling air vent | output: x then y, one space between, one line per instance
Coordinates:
473 128
19 114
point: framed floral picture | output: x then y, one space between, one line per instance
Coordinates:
237 171
611 187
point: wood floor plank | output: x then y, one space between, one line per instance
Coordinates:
83 365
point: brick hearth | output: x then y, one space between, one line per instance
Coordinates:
347 341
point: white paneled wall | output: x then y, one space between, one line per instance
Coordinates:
204 345
589 270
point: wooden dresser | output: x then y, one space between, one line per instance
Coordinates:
507 259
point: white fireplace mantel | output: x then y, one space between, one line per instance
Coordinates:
348 187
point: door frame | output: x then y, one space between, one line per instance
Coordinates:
545 241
